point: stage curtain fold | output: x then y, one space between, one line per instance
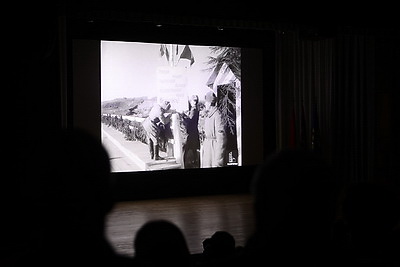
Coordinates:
332 79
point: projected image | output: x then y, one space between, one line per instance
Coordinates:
170 106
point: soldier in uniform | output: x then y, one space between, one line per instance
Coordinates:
154 124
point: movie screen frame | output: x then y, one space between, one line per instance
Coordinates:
137 76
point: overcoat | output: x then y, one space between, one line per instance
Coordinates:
215 139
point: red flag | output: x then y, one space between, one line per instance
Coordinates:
187 54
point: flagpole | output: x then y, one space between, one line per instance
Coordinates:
171 51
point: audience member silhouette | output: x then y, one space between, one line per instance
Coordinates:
68 197
69 192
372 214
161 243
219 249
294 203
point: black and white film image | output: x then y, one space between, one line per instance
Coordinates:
170 106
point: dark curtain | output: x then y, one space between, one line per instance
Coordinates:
353 107
325 98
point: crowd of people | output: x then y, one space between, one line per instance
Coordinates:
298 216
214 136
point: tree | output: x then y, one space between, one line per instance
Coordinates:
227 93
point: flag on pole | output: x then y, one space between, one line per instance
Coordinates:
225 76
222 74
167 53
187 54
164 51
211 80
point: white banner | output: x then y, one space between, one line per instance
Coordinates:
172 85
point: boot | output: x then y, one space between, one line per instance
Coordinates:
156 153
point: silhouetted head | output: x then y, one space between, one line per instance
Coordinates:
70 178
220 244
293 195
163 242
68 195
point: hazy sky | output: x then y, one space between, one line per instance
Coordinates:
128 69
